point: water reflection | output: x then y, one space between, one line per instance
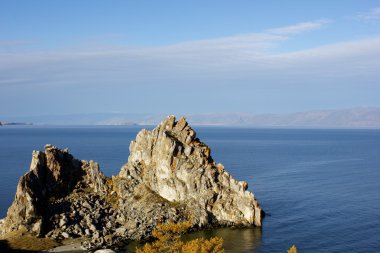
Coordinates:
236 240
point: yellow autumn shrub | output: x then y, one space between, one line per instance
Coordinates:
168 240
293 249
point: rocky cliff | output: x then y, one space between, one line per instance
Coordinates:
170 176
173 163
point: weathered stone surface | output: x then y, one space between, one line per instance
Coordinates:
175 165
49 197
170 176
53 174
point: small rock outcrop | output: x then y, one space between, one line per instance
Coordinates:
53 175
170 176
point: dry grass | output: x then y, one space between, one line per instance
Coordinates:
22 241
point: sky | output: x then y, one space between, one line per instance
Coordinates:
181 57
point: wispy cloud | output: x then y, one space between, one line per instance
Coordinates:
247 70
371 15
241 56
9 46
300 27
340 60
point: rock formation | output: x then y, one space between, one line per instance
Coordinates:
173 163
170 176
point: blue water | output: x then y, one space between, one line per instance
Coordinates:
319 188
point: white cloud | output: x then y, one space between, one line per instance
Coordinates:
371 15
238 72
300 27
241 56
10 46
339 60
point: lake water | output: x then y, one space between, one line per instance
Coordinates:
319 188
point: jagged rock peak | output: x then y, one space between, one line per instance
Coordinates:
176 165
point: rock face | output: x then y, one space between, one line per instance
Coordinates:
170 176
173 163
43 193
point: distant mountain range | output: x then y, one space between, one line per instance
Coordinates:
347 118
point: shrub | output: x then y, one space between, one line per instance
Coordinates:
168 239
293 249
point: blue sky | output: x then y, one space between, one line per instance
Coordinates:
63 57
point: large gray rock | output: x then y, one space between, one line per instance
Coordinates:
53 175
174 164
170 177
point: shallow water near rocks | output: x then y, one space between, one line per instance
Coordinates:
319 188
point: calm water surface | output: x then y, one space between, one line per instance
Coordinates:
319 188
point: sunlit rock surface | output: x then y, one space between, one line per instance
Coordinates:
176 165
170 176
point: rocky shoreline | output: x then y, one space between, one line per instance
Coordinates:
170 176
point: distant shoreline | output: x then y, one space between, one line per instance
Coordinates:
15 124
219 126
365 117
